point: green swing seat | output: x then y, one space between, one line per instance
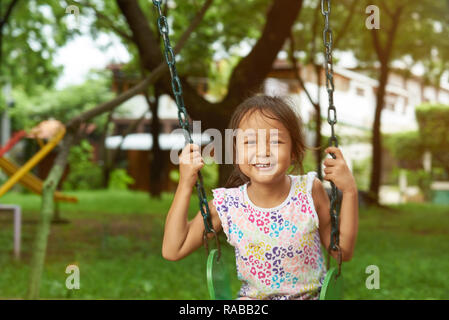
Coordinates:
218 280
219 284
332 288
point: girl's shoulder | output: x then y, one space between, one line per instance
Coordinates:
305 181
223 193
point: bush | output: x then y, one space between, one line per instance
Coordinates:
209 172
361 172
406 147
119 180
84 174
433 121
420 178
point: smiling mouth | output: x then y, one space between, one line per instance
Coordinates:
263 165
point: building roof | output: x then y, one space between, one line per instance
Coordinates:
144 141
136 106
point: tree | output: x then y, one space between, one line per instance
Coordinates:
407 30
223 28
433 121
247 76
25 42
306 31
72 137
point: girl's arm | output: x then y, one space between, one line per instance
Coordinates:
182 237
338 172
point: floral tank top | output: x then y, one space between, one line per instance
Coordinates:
278 250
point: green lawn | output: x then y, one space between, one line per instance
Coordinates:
115 239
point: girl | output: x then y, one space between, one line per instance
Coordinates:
276 221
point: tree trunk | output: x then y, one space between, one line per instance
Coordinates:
106 170
157 160
47 211
384 54
376 159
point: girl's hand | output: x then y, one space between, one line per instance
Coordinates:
190 162
337 171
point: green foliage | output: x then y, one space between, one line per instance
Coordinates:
424 181
309 162
416 177
209 172
30 39
433 122
62 104
361 172
83 174
119 180
226 24
174 175
406 147
417 18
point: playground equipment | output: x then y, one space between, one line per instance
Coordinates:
217 275
22 174
17 225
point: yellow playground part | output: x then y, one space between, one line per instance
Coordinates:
28 180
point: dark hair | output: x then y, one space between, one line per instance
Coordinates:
274 108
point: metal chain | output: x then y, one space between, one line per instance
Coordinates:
184 119
332 120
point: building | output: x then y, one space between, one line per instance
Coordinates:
354 96
139 143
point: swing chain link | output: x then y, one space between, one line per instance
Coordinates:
183 118
332 120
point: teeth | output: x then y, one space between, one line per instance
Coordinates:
262 165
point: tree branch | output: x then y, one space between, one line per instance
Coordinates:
296 70
377 45
247 75
314 33
344 27
150 54
156 73
11 6
387 10
392 32
111 24
251 71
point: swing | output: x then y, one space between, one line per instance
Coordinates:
332 288
217 275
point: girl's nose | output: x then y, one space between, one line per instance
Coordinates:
263 149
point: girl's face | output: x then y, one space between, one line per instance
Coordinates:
263 148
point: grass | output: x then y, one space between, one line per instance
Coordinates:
115 239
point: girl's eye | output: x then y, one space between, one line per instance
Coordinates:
275 142
250 142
